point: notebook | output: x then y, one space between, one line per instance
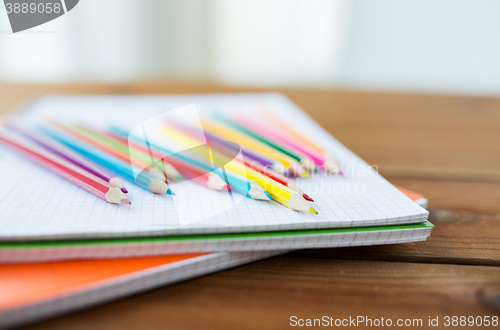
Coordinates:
11 252
31 292
37 205
34 291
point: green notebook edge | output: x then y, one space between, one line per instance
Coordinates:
233 236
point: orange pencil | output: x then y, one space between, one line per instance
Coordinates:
210 180
113 151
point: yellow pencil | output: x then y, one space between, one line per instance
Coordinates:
251 143
278 191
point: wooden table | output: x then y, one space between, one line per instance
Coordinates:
447 147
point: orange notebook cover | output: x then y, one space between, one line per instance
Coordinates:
22 284
30 292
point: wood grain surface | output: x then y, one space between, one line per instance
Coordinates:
446 147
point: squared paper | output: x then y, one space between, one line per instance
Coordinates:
36 204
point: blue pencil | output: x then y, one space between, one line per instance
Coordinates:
144 179
244 186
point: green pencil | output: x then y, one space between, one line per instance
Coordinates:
304 160
168 169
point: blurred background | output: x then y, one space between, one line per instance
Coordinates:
402 45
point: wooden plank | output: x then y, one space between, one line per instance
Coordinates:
466 242
13 95
460 196
265 294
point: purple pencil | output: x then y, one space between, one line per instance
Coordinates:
62 151
250 156
247 154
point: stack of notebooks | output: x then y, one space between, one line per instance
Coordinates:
105 196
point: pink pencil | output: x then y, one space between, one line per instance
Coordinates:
329 163
69 155
67 170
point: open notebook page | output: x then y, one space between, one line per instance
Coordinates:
37 204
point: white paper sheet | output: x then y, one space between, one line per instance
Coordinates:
37 204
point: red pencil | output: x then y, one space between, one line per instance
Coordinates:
277 177
112 150
252 164
76 175
210 180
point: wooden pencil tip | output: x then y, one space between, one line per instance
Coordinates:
170 192
255 191
124 190
226 188
126 201
307 198
313 211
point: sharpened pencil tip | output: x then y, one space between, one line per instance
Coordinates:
312 210
268 195
341 173
126 201
170 192
226 187
307 198
178 177
124 190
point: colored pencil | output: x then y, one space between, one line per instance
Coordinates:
303 159
112 150
69 171
251 143
237 183
278 191
279 178
250 155
113 164
122 150
330 165
255 165
210 180
64 152
291 131
122 144
168 169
